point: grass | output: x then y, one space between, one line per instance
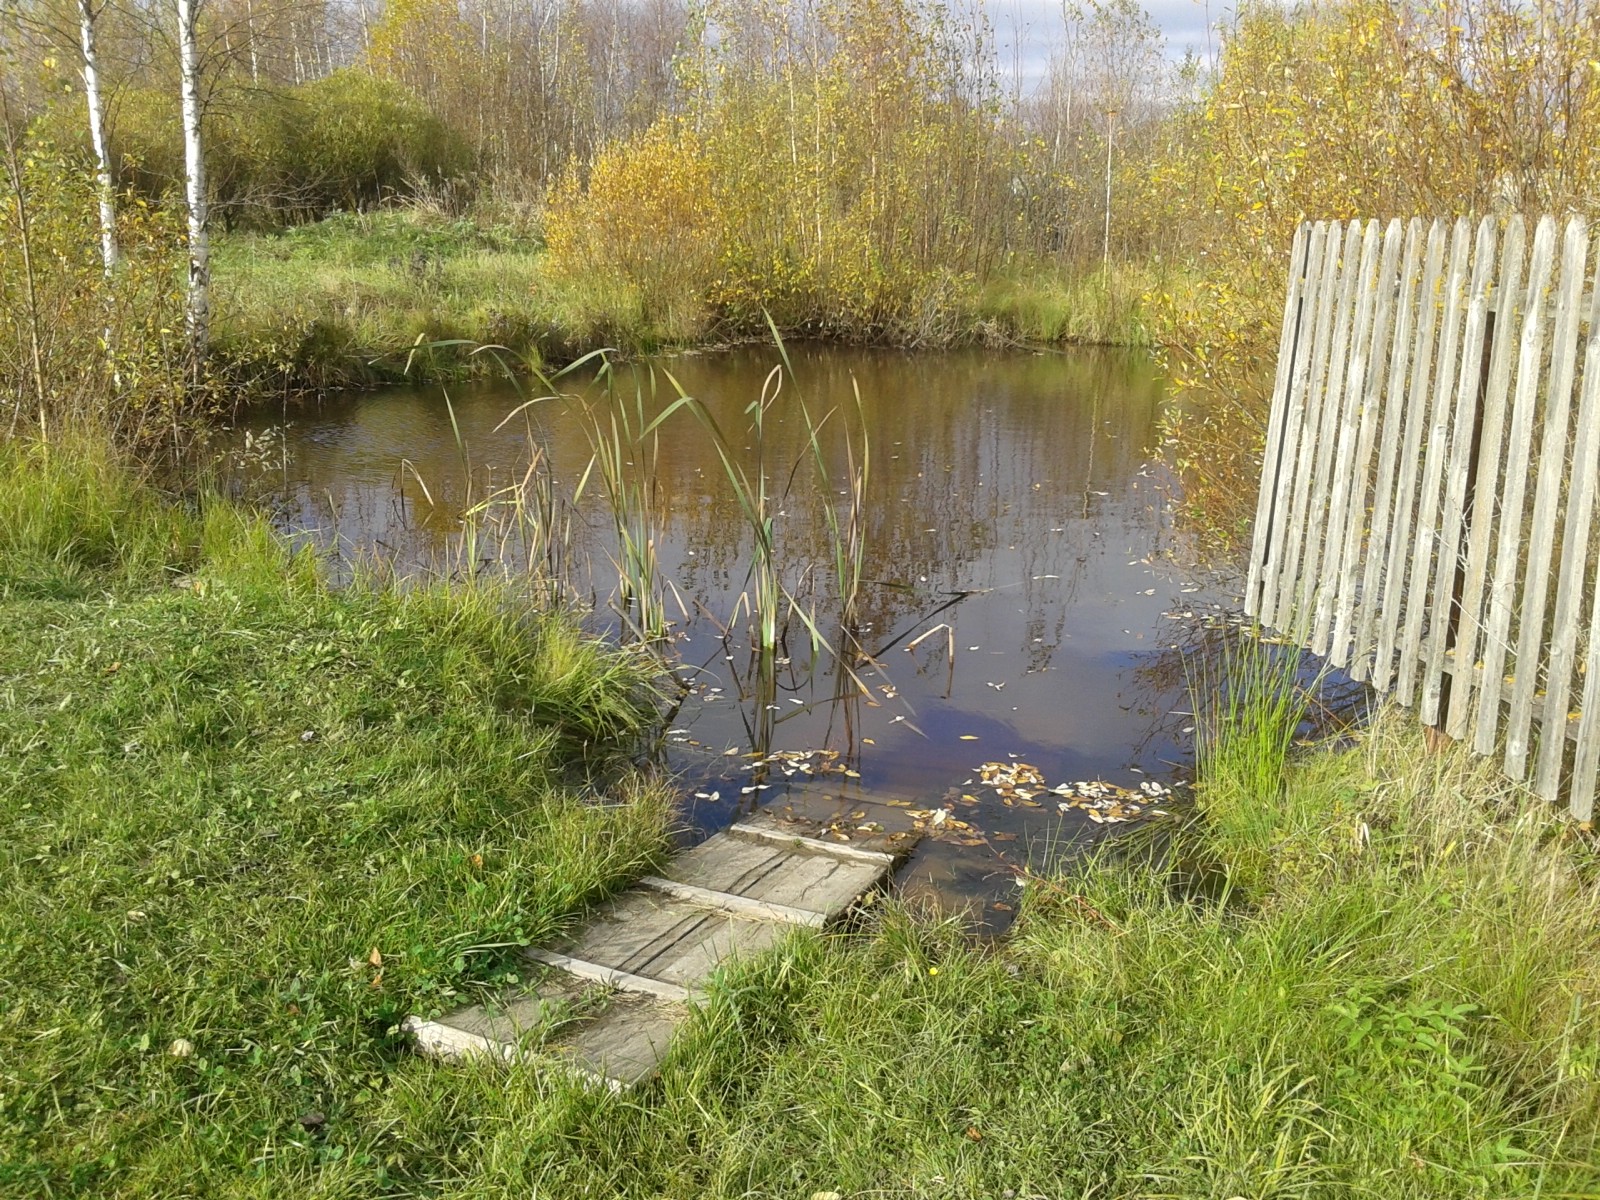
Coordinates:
1039 305
344 301
1404 1008
249 822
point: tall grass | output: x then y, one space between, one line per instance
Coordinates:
847 539
752 486
1250 699
625 452
72 511
271 817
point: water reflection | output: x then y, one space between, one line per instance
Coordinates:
1012 498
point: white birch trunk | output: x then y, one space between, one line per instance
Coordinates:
198 314
250 27
97 134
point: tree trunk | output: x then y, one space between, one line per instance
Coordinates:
97 134
25 238
198 313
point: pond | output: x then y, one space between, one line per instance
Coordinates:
1024 594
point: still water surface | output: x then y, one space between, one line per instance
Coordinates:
1013 497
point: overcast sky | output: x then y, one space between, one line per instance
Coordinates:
1031 27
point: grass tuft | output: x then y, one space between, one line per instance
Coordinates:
249 822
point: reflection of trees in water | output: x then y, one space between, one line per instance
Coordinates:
988 471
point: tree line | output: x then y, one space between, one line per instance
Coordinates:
847 167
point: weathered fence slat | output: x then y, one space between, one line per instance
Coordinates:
1586 759
1327 286
1294 423
1464 443
1508 552
1563 646
1416 412
1424 546
1404 359
1502 334
1375 369
1333 422
1421 520
1347 494
1552 464
1277 430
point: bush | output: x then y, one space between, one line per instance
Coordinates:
280 155
647 222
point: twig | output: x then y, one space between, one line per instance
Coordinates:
919 639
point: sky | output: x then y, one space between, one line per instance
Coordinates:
1031 27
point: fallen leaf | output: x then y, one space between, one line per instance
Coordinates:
375 958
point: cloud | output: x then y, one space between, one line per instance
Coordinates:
1026 30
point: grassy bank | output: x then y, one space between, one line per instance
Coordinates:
248 822
344 301
1400 1004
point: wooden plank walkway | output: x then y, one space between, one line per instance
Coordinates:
607 999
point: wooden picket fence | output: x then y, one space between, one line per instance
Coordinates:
1432 381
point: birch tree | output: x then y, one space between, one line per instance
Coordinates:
198 311
88 13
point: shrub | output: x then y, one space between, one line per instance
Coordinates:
647 222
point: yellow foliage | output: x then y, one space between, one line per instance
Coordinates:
845 179
646 217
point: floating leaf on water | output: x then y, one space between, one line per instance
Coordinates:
969 737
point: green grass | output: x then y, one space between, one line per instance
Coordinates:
1387 989
344 301
1040 304
1405 1008
219 799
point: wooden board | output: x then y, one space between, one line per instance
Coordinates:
768 872
615 989
624 1046
652 936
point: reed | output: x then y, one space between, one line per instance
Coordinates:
625 450
847 538
753 491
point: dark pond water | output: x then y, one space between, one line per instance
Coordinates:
1012 498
